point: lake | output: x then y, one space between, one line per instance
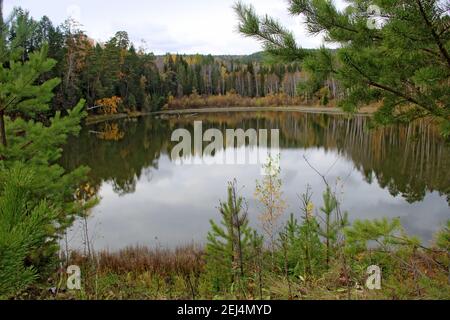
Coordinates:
149 199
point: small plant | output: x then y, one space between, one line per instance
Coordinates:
302 249
308 240
229 244
270 196
333 223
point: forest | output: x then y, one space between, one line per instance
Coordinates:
119 77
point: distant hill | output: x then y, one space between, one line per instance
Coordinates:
254 57
258 57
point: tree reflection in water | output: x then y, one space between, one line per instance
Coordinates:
408 160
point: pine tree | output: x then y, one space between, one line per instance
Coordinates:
24 226
42 202
229 244
333 223
405 63
304 249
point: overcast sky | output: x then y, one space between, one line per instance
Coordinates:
177 26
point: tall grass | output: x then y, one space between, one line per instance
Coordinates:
182 260
141 272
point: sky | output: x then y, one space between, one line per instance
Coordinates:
176 26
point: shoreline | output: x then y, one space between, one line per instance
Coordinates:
91 120
302 109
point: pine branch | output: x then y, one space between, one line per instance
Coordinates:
436 37
373 83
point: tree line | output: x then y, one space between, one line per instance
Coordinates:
247 76
120 77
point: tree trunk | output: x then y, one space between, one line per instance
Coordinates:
2 127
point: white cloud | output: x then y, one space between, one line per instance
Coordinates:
199 26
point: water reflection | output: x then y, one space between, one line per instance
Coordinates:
397 171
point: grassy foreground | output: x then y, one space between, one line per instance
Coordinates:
142 273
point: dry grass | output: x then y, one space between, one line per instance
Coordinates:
139 273
195 101
181 261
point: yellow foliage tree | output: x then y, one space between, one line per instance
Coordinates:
270 196
109 105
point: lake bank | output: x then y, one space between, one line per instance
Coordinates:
95 119
302 109
91 120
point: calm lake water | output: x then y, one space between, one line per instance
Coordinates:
147 199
